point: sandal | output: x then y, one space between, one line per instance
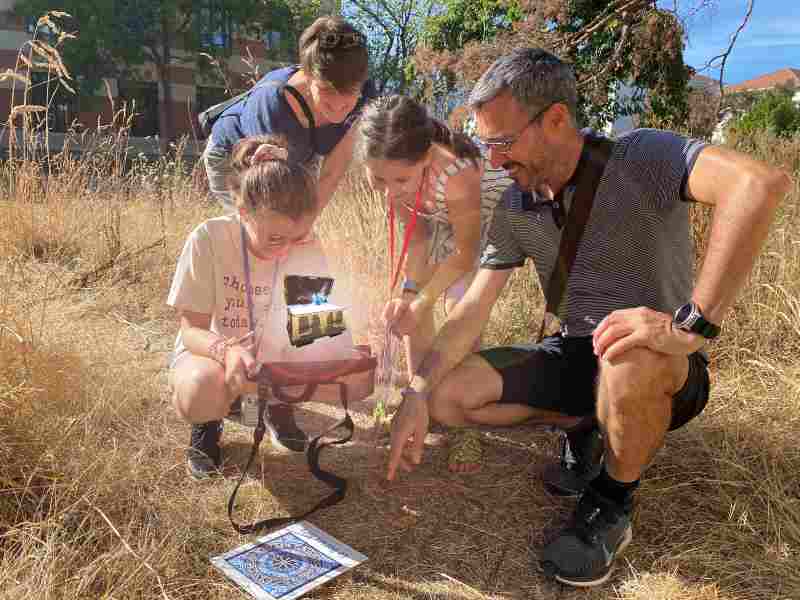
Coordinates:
466 450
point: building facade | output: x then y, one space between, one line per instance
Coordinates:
190 91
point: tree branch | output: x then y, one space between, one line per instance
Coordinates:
724 56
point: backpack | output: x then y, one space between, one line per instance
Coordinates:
209 116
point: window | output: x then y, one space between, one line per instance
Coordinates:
142 99
272 40
215 26
62 105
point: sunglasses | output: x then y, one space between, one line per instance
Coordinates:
332 39
504 145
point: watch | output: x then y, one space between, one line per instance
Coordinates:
689 318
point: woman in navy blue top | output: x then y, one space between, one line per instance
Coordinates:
331 80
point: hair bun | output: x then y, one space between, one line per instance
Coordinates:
267 152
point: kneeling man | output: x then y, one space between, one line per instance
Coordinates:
628 357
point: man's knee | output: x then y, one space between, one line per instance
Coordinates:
446 400
641 372
470 386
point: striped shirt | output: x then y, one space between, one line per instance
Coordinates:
442 237
636 249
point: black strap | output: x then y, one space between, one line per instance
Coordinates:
208 117
595 155
339 484
312 125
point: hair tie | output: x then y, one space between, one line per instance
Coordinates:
267 152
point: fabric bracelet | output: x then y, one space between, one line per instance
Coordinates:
410 286
217 350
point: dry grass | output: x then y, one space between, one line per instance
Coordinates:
95 502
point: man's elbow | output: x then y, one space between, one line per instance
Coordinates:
779 185
768 187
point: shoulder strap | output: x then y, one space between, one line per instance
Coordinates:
339 484
312 126
209 116
595 155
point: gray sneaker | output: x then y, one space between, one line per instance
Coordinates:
581 461
204 456
583 555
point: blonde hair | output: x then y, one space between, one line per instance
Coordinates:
344 68
270 181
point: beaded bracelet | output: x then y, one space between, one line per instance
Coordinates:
217 350
219 347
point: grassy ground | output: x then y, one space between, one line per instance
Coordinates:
95 501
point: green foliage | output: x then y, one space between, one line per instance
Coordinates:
609 43
774 113
464 21
393 29
116 36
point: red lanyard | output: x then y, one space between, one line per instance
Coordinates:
406 238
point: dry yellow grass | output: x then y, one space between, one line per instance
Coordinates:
95 502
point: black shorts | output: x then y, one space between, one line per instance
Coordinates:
560 373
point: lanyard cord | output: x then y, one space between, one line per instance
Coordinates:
406 237
339 484
248 289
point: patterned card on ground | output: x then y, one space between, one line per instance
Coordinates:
287 563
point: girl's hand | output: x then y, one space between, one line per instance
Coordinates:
403 315
394 312
240 367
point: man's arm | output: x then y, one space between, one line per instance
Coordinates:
334 166
452 345
745 193
463 327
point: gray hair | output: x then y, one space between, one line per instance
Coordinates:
535 77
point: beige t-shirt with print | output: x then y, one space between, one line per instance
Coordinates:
210 279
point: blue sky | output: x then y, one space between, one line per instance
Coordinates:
771 40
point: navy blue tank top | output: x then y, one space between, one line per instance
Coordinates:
266 111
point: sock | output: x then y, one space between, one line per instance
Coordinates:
582 446
620 492
584 425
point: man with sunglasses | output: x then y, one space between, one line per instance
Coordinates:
627 363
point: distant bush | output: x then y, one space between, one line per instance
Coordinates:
774 113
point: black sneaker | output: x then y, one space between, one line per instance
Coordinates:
581 461
283 430
583 555
204 456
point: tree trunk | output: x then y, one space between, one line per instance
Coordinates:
165 116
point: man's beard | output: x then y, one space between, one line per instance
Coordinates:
519 173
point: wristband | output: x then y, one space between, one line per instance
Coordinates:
217 350
410 286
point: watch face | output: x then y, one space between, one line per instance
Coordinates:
683 313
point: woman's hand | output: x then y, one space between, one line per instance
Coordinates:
403 315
